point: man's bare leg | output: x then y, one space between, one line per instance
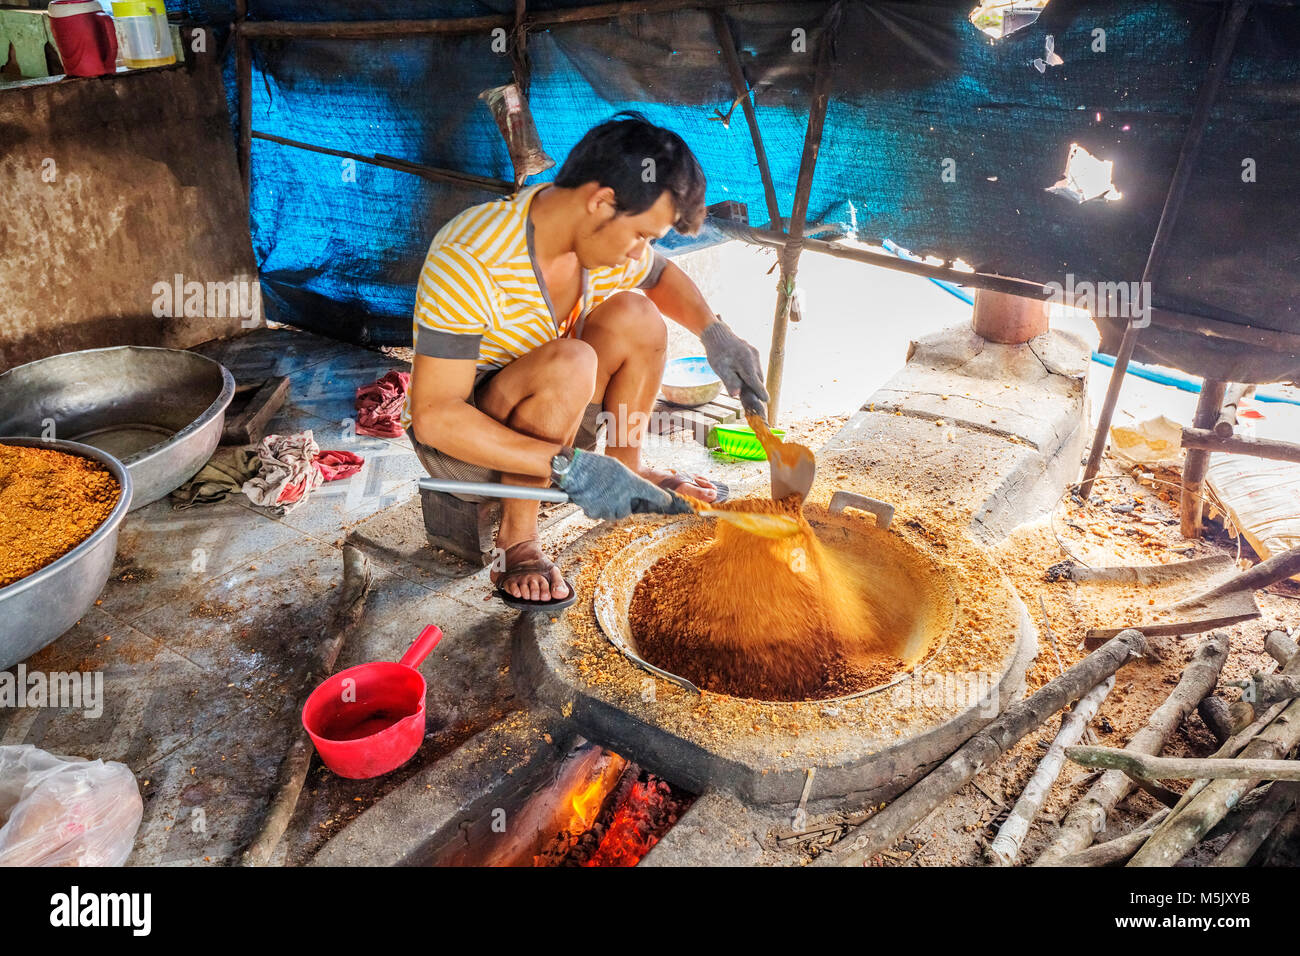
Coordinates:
543 394
631 343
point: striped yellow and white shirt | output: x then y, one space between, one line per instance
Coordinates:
480 295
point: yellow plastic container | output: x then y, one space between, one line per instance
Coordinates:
143 34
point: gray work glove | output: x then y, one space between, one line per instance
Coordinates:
606 489
736 362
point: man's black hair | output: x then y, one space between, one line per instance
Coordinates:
615 154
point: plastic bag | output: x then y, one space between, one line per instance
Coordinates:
1155 443
509 108
65 811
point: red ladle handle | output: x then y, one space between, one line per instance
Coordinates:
422 647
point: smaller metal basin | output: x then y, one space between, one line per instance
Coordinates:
158 411
38 608
690 381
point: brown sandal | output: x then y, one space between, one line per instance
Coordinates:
538 565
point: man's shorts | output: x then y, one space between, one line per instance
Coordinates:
441 465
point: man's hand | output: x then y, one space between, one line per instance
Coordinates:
736 362
606 489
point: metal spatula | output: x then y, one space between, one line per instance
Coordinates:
767 525
793 466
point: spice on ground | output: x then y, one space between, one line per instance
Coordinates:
50 502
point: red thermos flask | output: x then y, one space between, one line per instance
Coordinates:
85 36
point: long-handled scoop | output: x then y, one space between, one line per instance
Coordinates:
767 525
793 466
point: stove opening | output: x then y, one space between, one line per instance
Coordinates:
592 808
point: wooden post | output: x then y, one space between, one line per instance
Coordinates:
821 93
1224 41
523 68
1122 358
738 83
1198 460
1227 421
243 95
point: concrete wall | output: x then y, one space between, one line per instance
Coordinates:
110 186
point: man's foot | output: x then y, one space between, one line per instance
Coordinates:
531 576
694 486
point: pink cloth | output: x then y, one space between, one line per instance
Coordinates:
334 465
379 405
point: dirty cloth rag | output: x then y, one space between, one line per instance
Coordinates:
292 467
379 405
223 475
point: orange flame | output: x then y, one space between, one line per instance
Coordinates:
587 803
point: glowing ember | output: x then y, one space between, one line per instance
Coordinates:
650 809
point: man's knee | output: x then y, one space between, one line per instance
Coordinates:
635 319
569 371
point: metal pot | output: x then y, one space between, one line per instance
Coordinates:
158 411
38 608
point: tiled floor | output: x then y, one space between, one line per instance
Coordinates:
210 631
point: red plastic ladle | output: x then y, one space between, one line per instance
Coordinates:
368 720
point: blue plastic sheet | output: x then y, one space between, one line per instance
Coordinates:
915 85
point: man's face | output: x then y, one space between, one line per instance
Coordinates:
609 238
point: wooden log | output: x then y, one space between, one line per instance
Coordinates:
890 824
1264 689
1202 440
1241 713
1188 825
1147 767
349 607
1088 817
1198 461
1114 852
1280 647
1228 412
1281 566
1214 713
1005 848
1243 846
1281 842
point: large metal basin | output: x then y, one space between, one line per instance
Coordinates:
38 608
158 411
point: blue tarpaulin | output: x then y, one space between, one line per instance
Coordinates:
916 90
